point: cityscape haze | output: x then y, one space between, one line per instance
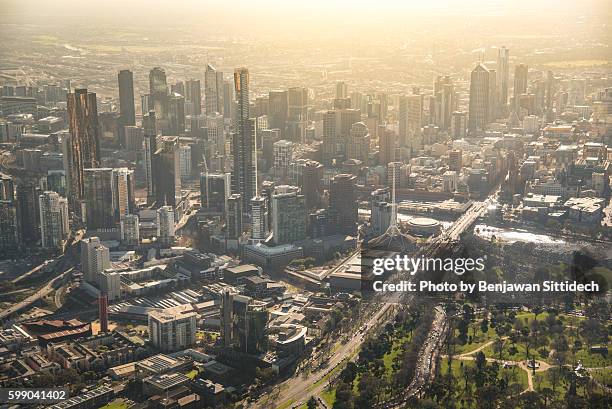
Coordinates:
207 204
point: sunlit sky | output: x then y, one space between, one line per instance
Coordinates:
259 8
286 17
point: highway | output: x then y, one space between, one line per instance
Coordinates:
39 294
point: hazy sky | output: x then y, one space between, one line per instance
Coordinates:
312 8
240 17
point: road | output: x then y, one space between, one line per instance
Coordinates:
42 292
298 389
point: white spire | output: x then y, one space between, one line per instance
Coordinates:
393 221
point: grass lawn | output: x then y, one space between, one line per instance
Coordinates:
396 349
590 360
192 374
603 376
478 340
519 356
329 397
512 374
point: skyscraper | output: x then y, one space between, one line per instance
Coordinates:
54 222
193 95
167 172
341 89
176 115
458 124
28 213
9 226
259 218
98 196
337 125
278 110
520 83
387 142
503 73
129 228
158 93
213 90
312 175
233 216
479 99
288 215
493 107
165 224
445 102
126 99
228 99
243 140
124 201
82 147
358 146
343 203
214 191
150 147
410 120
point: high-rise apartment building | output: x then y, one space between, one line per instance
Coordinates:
130 230
172 331
124 187
149 126
95 258
259 218
54 219
165 225
9 226
243 140
82 145
99 198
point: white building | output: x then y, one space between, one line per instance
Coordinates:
283 155
95 258
54 219
130 229
165 224
172 330
110 283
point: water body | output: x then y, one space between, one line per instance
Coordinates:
513 235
